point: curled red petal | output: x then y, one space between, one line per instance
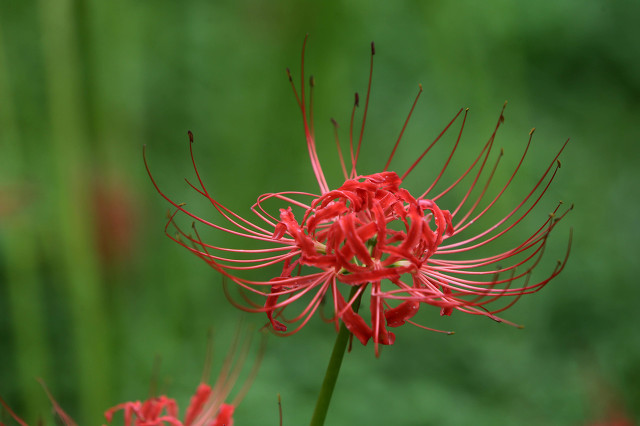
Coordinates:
400 314
354 322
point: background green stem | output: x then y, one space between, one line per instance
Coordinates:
77 268
333 369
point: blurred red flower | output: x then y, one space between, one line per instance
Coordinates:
206 408
374 237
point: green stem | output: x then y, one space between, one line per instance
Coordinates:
69 215
333 369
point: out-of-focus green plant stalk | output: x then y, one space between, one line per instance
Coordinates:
75 249
18 245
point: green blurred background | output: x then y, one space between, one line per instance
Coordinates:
92 292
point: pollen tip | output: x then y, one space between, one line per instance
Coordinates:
373 48
334 122
520 327
181 204
532 130
505 104
571 208
559 164
357 101
312 81
501 152
289 75
420 86
450 333
190 136
466 109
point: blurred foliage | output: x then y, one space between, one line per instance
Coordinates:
91 291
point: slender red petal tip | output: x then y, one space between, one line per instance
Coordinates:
373 48
190 136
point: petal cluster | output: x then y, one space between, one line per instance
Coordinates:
204 409
350 232
208 406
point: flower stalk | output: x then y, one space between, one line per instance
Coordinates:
333 369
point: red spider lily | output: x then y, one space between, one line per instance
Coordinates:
207 406
372 236
205 409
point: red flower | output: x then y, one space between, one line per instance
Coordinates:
372 236
207 406
205 409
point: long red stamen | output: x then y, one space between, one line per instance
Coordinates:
335 133
366 104
393 151
415 163
356 104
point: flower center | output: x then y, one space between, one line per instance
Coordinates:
367 230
